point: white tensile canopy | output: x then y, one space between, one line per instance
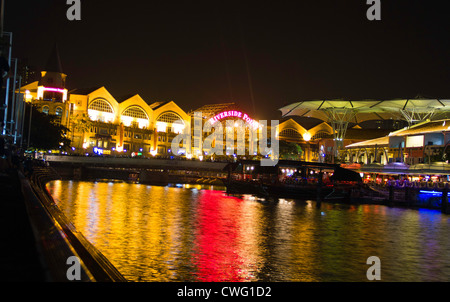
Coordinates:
339 112
412 110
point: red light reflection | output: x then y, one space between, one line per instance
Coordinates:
219 238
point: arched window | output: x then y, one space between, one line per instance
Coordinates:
59 111
169 119
135 116
320 134
101 105
289 132
135 112
101 110
45 109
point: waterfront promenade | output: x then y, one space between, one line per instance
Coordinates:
20 260
37 238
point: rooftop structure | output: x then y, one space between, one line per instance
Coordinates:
210 110
339 113
425 142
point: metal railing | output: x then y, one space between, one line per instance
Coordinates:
57 237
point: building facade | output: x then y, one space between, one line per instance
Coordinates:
100 123
225 130
424 142
130 126
312 141
49 93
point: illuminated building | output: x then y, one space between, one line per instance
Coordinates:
308 139
103 124
230 119
27 72
100 123
425 142
49 94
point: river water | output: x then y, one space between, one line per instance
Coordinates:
190 233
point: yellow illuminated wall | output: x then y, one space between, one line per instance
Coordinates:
131 123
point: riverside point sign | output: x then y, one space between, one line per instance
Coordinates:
214 143
234 114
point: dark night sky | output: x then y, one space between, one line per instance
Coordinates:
196 52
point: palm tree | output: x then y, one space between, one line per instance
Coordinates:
291 151
80 123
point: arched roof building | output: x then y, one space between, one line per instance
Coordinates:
129 125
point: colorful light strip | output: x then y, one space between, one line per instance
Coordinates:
41 89
431 192
54 89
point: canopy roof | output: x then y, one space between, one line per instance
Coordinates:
380 141
364 110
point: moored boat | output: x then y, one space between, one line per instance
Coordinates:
287 179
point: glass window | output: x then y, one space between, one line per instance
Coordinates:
289 132
101 105
45 109
320 134
53 96
161 150
58 111
169 117
101 110
136 112
171 121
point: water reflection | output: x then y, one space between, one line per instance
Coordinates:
186 233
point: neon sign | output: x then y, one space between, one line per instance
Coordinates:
231 114
54 89
41 89
98 151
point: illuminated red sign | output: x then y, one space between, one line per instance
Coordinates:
54 89
233 114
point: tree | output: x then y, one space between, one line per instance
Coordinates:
290 151
80 123
46 132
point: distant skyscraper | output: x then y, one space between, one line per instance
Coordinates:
28 73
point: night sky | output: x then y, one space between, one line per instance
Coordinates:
260 54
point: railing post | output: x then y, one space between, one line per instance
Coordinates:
391 194
444 203
319 189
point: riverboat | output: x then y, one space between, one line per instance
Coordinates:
288 179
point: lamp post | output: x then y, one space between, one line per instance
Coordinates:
5 118
2 10
29 125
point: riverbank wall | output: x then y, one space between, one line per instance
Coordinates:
40 243
142 170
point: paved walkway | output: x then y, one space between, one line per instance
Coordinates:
19 259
